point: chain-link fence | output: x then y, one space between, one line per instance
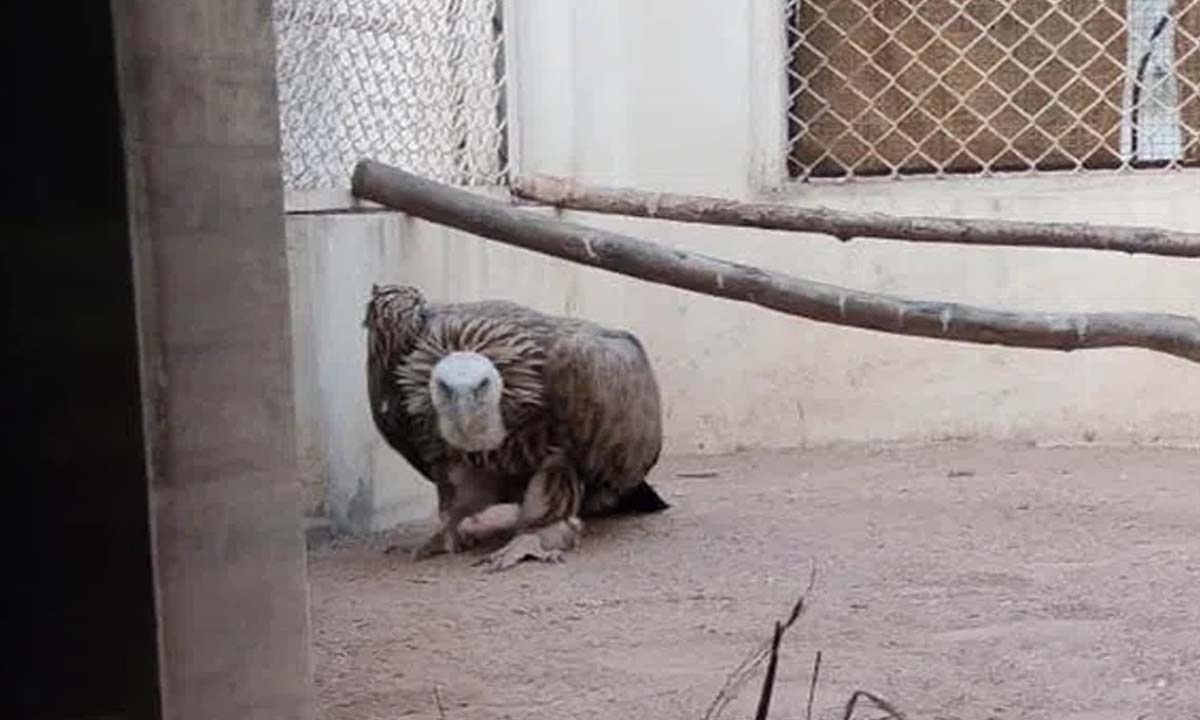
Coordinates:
892 87
415 83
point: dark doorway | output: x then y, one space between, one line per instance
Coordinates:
78 587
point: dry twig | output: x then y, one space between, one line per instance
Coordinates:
812 687
875 700
764 698
847 226
770 651
1173 334
742 673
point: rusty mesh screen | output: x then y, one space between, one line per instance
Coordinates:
890 87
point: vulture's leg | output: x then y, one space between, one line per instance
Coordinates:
547 522
472 491
502 517
438 542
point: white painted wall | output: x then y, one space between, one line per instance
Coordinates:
667 95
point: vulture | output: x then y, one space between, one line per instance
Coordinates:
525 422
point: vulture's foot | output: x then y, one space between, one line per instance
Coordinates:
543 545
441 542
435 545
526 546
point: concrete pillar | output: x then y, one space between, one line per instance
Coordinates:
197 80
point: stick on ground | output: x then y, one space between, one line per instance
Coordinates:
1177 335
875 700
847 226
745 669
764 698
812 687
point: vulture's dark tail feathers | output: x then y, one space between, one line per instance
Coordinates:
641 500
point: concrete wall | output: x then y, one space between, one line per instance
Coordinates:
197 86
667 95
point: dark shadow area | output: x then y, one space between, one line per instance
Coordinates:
78 595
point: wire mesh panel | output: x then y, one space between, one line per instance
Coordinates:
890 87
415 83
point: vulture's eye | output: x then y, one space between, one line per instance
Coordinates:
443 388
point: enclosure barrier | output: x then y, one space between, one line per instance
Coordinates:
890 89
392 187
421 83
847 226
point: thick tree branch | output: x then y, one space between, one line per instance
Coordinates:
849 225
1174 334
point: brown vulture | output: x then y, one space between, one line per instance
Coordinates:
524 422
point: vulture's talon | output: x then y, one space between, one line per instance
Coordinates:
460 543
435 545
423 553
526 546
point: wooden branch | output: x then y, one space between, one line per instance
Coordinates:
847 226
389 186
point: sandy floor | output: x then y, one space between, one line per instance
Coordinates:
958 581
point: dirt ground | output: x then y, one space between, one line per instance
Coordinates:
957 581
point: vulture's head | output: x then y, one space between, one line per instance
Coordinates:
466 390
476 376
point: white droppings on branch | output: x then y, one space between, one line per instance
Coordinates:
652 204
587 247
1081 329
720 281
842 305
944 316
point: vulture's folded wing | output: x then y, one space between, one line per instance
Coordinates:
603 390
